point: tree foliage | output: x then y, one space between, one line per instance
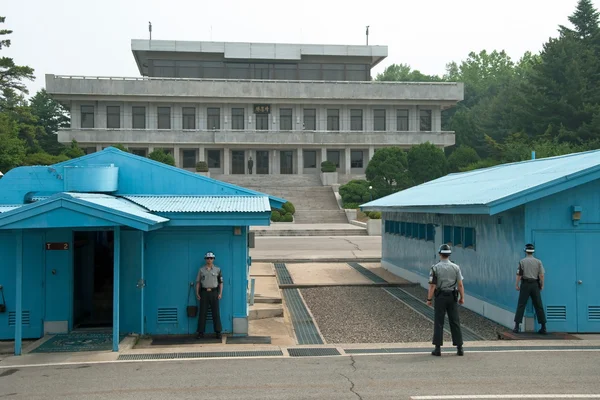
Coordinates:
161 156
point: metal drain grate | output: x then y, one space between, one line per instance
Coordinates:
370 275
213 354
283 275
314 352
306 330
423 309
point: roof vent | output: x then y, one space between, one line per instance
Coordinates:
91 178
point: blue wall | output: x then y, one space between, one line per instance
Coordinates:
488 270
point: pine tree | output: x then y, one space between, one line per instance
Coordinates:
584 19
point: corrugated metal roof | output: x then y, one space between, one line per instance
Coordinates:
490 185
7 207
116 203
197 204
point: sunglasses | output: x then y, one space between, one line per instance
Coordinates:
209 258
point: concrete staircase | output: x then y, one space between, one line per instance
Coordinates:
267 298
315 204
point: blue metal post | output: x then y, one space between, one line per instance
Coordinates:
252 291
533 155
142 282
116 288
19 299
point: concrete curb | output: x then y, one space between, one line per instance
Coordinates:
323 285
317 260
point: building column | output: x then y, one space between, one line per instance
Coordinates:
436 124
300 161
371 154
413 119
116 285
323 157
142 283
226 161
347 159
150 149
98 147
177 156
19 295
201 153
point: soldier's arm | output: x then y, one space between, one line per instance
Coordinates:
519 274
220 279
541 275
198 283
432 285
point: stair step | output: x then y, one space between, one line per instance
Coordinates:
263 311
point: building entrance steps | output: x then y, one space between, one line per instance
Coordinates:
321 229
267 296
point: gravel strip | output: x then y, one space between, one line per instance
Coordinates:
482 326
366 315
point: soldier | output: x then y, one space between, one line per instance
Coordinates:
445 283
250 165
209 290
531 274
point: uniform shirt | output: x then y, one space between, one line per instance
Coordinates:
530 268
445 275
209 278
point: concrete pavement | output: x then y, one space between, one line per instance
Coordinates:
518 374
317 248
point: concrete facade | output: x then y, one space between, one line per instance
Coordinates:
216 120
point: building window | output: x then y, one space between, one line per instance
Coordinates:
402 228
310 72
139 152
113 117
310 159
138 117
214 118
356 159
430 233
213 69
457 237
334 157
189 158
238 70
379 120
333 119
425 120
189 117
285 119
447 235
164 68
356 72
188 69
422 231
237 118
402 120
333 72
87 116
356 120
214 158
286 71
89 150
262 122
469 238
164 117
310 119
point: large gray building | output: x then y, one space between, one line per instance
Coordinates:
288 106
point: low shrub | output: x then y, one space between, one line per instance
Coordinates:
328 166
201 166
275 216
351 206
356 191
375 215
289 208
287 218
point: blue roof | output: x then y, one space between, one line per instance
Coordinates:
496 189
202 204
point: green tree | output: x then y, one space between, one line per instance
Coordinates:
388 170
403 73
73 151
426 162
461 158
51 116
356 192
12 149
11 75
161 156
43 159
584 19
121 147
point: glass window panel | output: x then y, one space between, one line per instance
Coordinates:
138 117
310 159
425 120
164 117
402 120
356 158
333 120
189 158
237 118
310 119
87 116
379 120
356 120
262 122
214 118
189 117
214 158
285 119
113 117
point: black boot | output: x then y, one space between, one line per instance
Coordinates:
460 351
516 328
437 351
543 330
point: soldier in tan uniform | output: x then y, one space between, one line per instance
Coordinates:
531 275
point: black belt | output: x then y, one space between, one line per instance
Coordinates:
528 280
208 289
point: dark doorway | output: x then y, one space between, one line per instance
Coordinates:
286 164
93 272
262 162
237 161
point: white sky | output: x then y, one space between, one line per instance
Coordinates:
92 37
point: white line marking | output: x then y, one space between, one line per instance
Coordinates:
510 396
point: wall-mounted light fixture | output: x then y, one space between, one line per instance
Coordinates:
237 230
576 215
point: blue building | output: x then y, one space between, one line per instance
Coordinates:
488 216
113 239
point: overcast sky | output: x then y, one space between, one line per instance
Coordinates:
89 37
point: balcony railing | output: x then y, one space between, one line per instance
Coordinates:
254 137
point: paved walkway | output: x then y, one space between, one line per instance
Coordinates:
317 248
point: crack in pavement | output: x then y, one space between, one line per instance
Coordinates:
352 385
356 246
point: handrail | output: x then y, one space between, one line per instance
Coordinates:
272 81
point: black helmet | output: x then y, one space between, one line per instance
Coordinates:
529 248
445 249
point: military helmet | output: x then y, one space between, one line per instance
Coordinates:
445 249
529 248
210 254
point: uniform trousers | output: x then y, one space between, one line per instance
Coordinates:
209 299
530 288
445 303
